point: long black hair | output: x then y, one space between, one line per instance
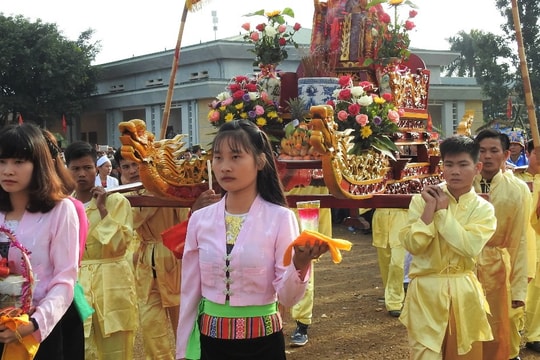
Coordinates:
245 135
27 142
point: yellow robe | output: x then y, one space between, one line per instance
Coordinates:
442 271
105 274
386 225
502 265
532 316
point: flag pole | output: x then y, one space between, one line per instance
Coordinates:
170 90
529 101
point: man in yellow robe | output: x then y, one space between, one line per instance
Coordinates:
386 225
502 265
445 311
105 274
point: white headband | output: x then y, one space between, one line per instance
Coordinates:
102 160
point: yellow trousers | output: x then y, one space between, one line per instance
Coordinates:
116 346
532 313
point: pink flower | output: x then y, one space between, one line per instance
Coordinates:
260 27
401 112
246 26
227 101
412 14
362 119
214 116
342 115
366 85
282 42
393 116
387 97
297 27
331 103
354 109
254 36
281 28
259 110
409 25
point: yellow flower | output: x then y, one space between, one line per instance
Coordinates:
239 106
366 132
395 2
272 114
379 100
243 115
261 121
272 13
229 117
222 108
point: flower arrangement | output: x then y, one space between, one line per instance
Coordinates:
270 38
244 100
393 36
371 120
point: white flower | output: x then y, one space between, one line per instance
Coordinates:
270 31
253 95
357 91
222 96
365 100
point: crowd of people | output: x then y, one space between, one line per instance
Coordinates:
459 267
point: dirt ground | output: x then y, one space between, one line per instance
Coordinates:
349 319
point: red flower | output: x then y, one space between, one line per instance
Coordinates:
234 88
251 87
354 109
297 27
344 94
237 95
387 97
282 42
344 81
409 25
385 18
246 26
331 103
412 14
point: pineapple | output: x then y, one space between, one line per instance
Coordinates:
295 144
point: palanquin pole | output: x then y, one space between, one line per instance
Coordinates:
529 101
189 5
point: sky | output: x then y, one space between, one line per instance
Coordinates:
152 26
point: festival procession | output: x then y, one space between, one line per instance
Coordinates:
161 248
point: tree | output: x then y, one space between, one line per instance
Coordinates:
42 74
529 14
486 57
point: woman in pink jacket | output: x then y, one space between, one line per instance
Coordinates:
33 205
233 274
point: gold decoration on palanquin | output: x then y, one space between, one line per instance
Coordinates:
162 171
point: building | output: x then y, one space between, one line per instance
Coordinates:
137 88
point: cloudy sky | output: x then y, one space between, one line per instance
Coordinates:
151 26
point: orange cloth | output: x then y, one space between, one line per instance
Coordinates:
26 348
309 237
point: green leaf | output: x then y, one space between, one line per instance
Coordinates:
375 2
288 11
259 12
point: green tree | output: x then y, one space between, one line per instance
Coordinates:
529 14
486 57
42 74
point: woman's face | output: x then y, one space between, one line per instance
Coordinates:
105 169
15 174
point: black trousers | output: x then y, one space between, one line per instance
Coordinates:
271 347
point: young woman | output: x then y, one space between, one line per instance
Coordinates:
34 206
233 274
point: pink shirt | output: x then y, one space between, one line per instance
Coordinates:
257 273
83 225
52 240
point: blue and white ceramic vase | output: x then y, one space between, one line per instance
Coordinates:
316 90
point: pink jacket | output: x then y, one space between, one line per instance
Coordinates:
257 273
52 240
